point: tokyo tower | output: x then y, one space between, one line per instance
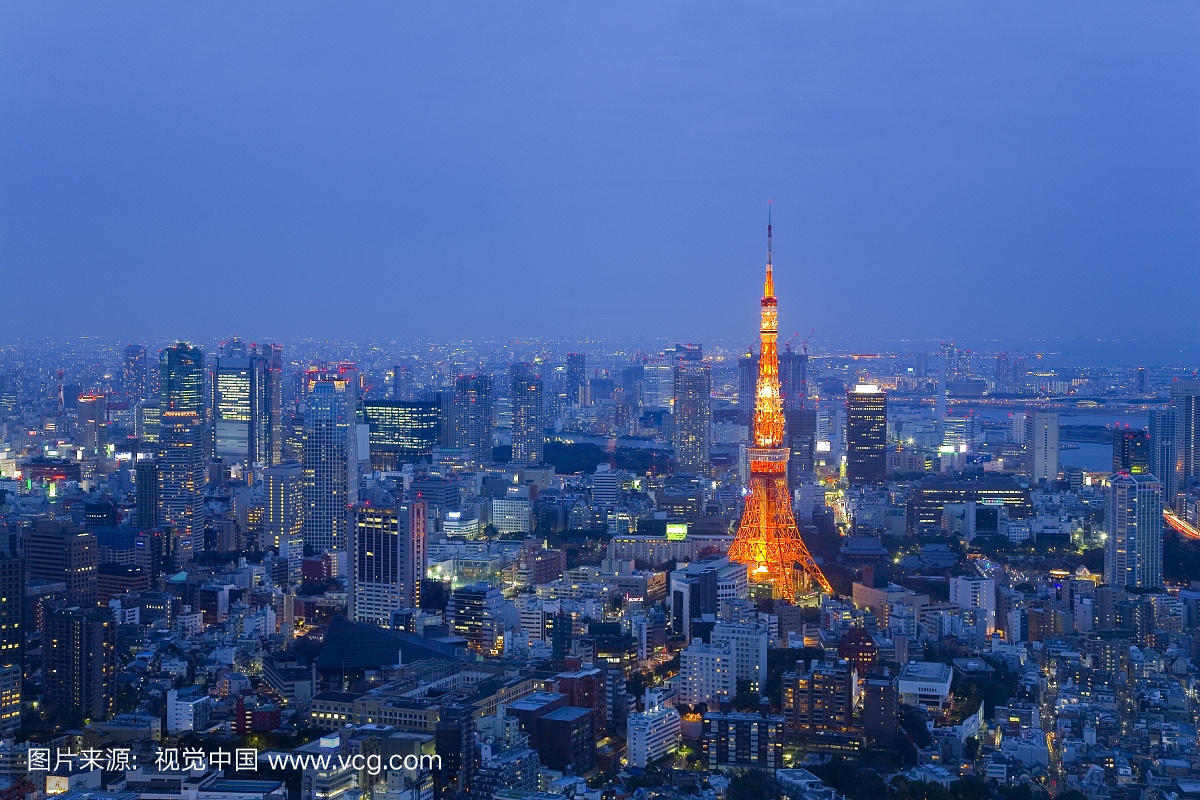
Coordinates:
768 541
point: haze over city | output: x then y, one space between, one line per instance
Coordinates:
939 171
659 401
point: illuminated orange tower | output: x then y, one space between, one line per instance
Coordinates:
767 540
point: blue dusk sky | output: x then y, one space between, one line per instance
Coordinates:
938 169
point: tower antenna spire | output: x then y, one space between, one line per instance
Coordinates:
769 285
768 235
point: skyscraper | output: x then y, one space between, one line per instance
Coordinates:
1162 452
1043 445
1185 399
148 423
389 561
473 411
330 465
768 541
576 377
55 551
146 484
866 435
402 382
12 639
1134 521
475 612
801 431
181 379
693 418
1002 373
283 523
272 358
134 372
529 415
1131 451
747 380
80 669
401 431
181 476
793 377
93 422
241 410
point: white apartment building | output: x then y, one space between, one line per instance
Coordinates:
749 645
705 673
976 593
651 735
188 710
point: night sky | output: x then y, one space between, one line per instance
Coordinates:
959 169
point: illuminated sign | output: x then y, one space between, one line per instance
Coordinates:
823 447
676 530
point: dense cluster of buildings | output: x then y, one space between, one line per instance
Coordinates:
521 564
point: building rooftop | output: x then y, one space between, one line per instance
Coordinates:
569 713
926 671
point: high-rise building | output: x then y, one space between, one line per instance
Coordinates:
389 561
1002 373
692 427
749 645
148 423
1043 446
1163 456
866 435
283 520
800 430
706 673
401 431
881 709
146 484
1018 375
330 465
768 541
55 551
241 410
272 357
1134 547
658 384
181 379
1131 451
633 385
135 372
474 613
975 593
80 670
93 422
181 476
653 733
742 740
819 696
403 384
12 639
529 415
1185 399
576 377
793 377
747 380
474 408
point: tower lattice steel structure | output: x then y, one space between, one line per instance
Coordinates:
767 540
